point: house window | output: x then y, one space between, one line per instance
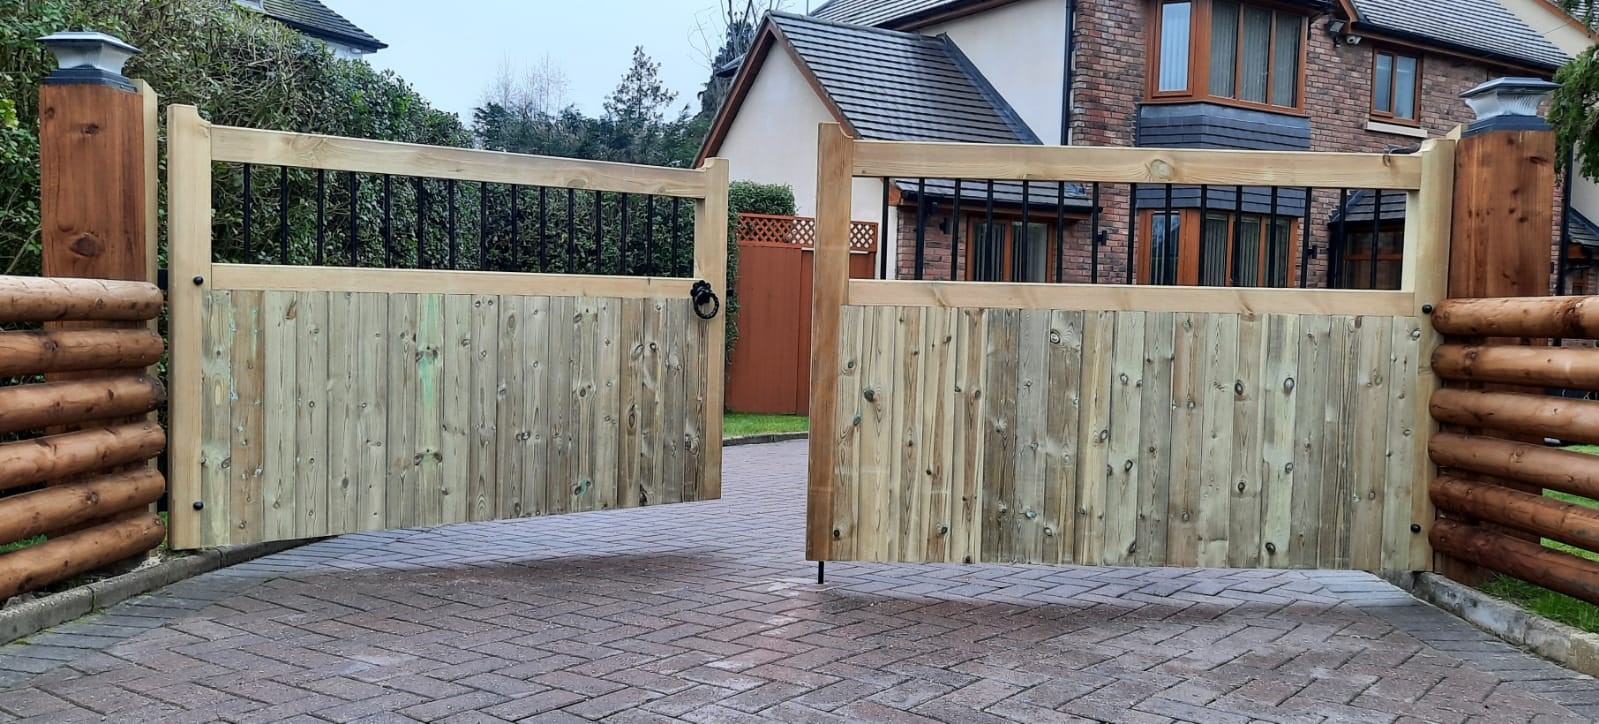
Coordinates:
1230 51
1228 249
1395 86
1008 251
1358 269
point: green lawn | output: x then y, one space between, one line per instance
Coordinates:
19 545
738 424
1542 601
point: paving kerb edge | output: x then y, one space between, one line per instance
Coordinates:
1557 642
29 618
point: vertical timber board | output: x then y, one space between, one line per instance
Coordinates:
1001 371
696 478
456 463
940 408
214 486
511 407
1338 471
313 486
1372 406
905 480
560 374
428 419
710 258
674 403
585 407
1155 441
1312 452
1126 430
1032 446
1216 476
1278 393
483 477
1403 445
401 504
628 486
189 222
877 435
967 516
278 313
650 372
1244 530
608 397
531 441
1065 363
248 457
847 437
829 293
1093 442
372 389
1187 439
345 442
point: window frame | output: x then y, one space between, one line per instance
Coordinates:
1393 87
1190 242
1199 57
1009 222
1351 251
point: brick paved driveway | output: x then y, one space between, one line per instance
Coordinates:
707 612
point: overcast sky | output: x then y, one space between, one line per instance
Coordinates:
452 50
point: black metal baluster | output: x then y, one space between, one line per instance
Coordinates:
354 254
423 259
1060 233
1304 244
544 229
882 246
1132 230
677 234
516 228
1238 234
388 221
649 236
283 214
249 211
1204 221
570 264
621 252
1376 230
455 262
1271 243
1026 235
921 228
990 263
955 235
482 226
1168 263
321 213
599 232
1093 232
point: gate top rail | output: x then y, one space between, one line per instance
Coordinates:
333 153
1106 164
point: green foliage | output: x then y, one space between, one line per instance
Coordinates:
748 197
238 67
1574 111
1542 601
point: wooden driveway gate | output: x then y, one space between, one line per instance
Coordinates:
313 401
1124 425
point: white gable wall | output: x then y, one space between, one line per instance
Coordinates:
1021 49
772 140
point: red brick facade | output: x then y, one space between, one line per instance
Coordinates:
1109 87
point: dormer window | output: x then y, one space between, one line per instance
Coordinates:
1225 50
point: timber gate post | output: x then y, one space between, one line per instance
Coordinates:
1504 209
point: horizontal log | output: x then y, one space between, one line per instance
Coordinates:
1513 365
1557 417
1568 317
58 457
31 407
39 299
56 350
61 558
1526 560
64 506
1535 465
1546 517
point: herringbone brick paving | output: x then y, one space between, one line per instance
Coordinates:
708 613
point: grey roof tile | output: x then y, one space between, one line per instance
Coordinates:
1483 25
318 20
902 86
878 12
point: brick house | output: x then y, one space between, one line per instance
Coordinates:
1305 75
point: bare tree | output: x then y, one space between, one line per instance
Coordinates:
722 37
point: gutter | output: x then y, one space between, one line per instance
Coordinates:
1069 74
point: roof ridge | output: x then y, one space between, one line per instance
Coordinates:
807 19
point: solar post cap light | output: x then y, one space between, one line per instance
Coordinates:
88 58
1508 104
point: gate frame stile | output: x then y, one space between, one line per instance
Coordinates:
189 200
835 180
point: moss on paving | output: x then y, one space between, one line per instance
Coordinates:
738 424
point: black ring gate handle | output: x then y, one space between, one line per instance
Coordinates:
705 298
